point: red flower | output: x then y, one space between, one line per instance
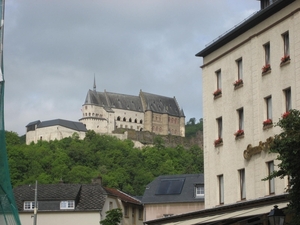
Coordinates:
267 122
285 115
218 141
239 132
217 92
266 68
285 58
238 82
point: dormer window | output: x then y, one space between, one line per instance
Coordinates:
28 205
199 191
67 204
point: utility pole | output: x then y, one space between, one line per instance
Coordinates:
35 204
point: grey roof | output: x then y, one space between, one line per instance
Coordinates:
161 104
187 193
78 126
87 196
143 102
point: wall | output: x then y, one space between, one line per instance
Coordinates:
228 158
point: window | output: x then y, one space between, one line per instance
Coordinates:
286 44
221 189
288 99
219 79
240 69
220 129
67 204
126 211
269 107
272 181
28 205
110 205
242 184
267 53
199 191
241 118
140 213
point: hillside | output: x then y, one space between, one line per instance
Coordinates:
78 161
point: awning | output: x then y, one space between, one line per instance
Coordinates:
256 211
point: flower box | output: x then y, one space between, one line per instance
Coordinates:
266 68
238 83
218 92
267 122
285 115
239 133
218 141
285 59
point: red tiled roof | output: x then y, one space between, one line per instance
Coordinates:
123 196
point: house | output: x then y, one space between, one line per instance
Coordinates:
250 80
105 112
74 204
53 130
170 195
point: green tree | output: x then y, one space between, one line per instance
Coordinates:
287 145
113 217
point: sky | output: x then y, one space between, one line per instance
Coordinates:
53 49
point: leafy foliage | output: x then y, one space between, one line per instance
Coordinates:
113 217
287 144
191 127
78 161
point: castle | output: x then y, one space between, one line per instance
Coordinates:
105 112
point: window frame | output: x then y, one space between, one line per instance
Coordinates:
242 179
220 127
221 189
286 43
268 101
267 50
199 190
28 205
67 204
239 63
288 99
270 166
240 112
219 79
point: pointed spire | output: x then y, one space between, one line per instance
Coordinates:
94 87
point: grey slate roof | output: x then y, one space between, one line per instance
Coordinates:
88 197
143 102
187 193
78 126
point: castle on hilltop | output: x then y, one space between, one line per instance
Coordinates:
105 112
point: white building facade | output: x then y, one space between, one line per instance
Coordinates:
250 79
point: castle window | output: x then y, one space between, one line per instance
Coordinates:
124 119
141 121
135 120
130 120
118 118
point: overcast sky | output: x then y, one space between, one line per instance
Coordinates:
53 49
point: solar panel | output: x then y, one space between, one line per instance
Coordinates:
170 186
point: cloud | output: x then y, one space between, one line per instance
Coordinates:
53 49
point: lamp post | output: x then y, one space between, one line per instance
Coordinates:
35 204
276 216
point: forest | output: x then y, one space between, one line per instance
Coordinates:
118 162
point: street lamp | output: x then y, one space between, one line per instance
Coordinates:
276 216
